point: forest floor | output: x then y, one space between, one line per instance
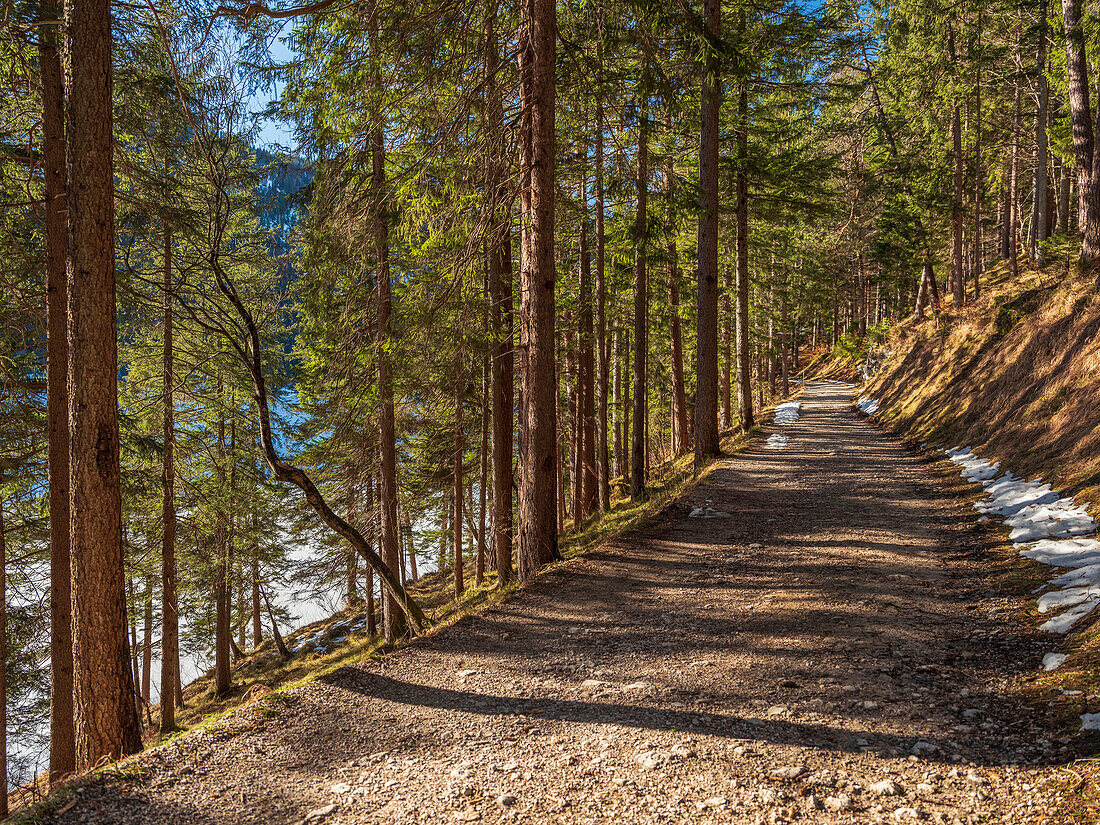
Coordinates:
833 649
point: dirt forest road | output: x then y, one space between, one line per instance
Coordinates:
828 651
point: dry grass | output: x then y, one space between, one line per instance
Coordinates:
1016 376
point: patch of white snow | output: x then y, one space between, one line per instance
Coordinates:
707 512
867 405
787 412
1053 661
1049 528
1090 721
777 441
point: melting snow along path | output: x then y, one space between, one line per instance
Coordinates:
825 652
1046 526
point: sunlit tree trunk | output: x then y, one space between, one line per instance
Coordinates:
1040 209
538 534
976 264
1083 130
681 440
106 722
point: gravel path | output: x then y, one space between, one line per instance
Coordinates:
826 652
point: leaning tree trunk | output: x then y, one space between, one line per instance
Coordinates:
706 347
538 534
106 722
62 760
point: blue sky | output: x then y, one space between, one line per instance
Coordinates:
274 132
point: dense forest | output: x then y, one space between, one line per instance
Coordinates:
517 258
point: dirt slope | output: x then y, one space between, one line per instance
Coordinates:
828 652
1016 376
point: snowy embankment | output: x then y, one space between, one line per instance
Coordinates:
1047 527
785 415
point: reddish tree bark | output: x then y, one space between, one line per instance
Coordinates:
538 532
106 722
62 753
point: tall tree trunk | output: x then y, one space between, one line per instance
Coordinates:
572 372
602 343
414 574
744 357
538 535
222 632
1062 217
500 284
706 347
169 613
1013 185
479 566
393 619
62 754
1083 130
3 667
500 315
681 441
147 641
958 277
976 268
727 352
257 625
625 412
1040 207
106 722
351 577
586 391
617 402
457 462
376 518
641 319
